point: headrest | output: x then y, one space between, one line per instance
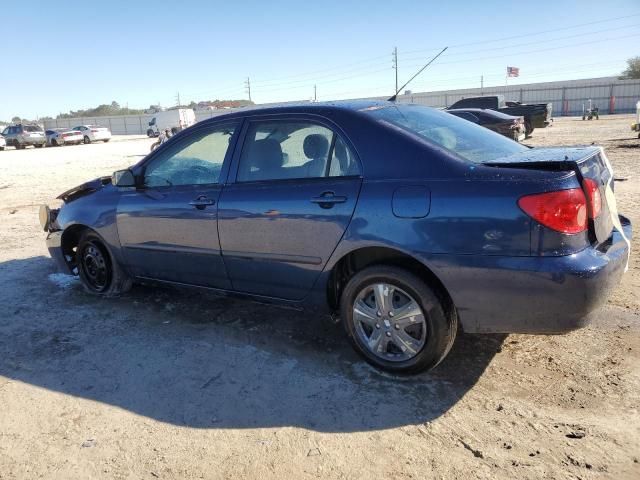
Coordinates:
266 154
316 146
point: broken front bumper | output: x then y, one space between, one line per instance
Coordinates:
54 245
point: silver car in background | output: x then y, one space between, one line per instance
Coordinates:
63 136
21 136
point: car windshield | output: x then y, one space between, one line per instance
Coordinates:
32 128
465 139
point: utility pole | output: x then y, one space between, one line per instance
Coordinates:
178 98
247 85
395 65
315 93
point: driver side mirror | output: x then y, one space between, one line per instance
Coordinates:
123 178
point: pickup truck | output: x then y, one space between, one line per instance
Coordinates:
536 115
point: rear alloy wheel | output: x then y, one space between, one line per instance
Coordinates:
87 140
395 320
96 268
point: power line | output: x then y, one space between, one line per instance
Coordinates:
531 34
470 79
555 47
533 43
369 71
361 70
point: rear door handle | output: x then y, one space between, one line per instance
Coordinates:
201 202
328 199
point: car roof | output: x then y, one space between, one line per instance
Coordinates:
304 107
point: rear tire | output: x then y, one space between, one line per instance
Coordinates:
87 140
40 145
107 140
99 273
421 351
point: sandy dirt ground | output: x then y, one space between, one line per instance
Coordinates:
162 383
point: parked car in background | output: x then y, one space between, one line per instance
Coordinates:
21 136
3 143
536 115
507 125
63 136
174 120
401 219
94 133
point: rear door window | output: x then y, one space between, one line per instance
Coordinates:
279 150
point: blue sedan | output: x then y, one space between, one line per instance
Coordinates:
405 222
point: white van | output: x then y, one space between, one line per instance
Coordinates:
174 120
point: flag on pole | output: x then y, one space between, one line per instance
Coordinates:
513 72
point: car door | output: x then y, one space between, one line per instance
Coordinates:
296 184
168 225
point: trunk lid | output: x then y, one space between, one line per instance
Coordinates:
588 163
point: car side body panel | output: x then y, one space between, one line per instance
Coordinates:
460 220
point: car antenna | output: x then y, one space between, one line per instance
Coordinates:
393 98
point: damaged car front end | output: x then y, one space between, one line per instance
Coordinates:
59 223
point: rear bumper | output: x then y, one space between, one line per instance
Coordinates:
533 294
100 136
73 139
31 140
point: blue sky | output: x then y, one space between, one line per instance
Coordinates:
57 57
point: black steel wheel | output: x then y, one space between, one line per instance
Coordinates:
99 273
95 266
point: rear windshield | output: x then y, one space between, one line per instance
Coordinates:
465 139
32 128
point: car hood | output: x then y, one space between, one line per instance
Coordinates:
84 189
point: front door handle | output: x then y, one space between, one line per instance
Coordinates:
202 202
328 199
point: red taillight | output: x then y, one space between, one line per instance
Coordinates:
564 211
94 131
595 200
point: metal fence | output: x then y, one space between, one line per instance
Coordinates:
609 94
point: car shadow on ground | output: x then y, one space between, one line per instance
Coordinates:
205 361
